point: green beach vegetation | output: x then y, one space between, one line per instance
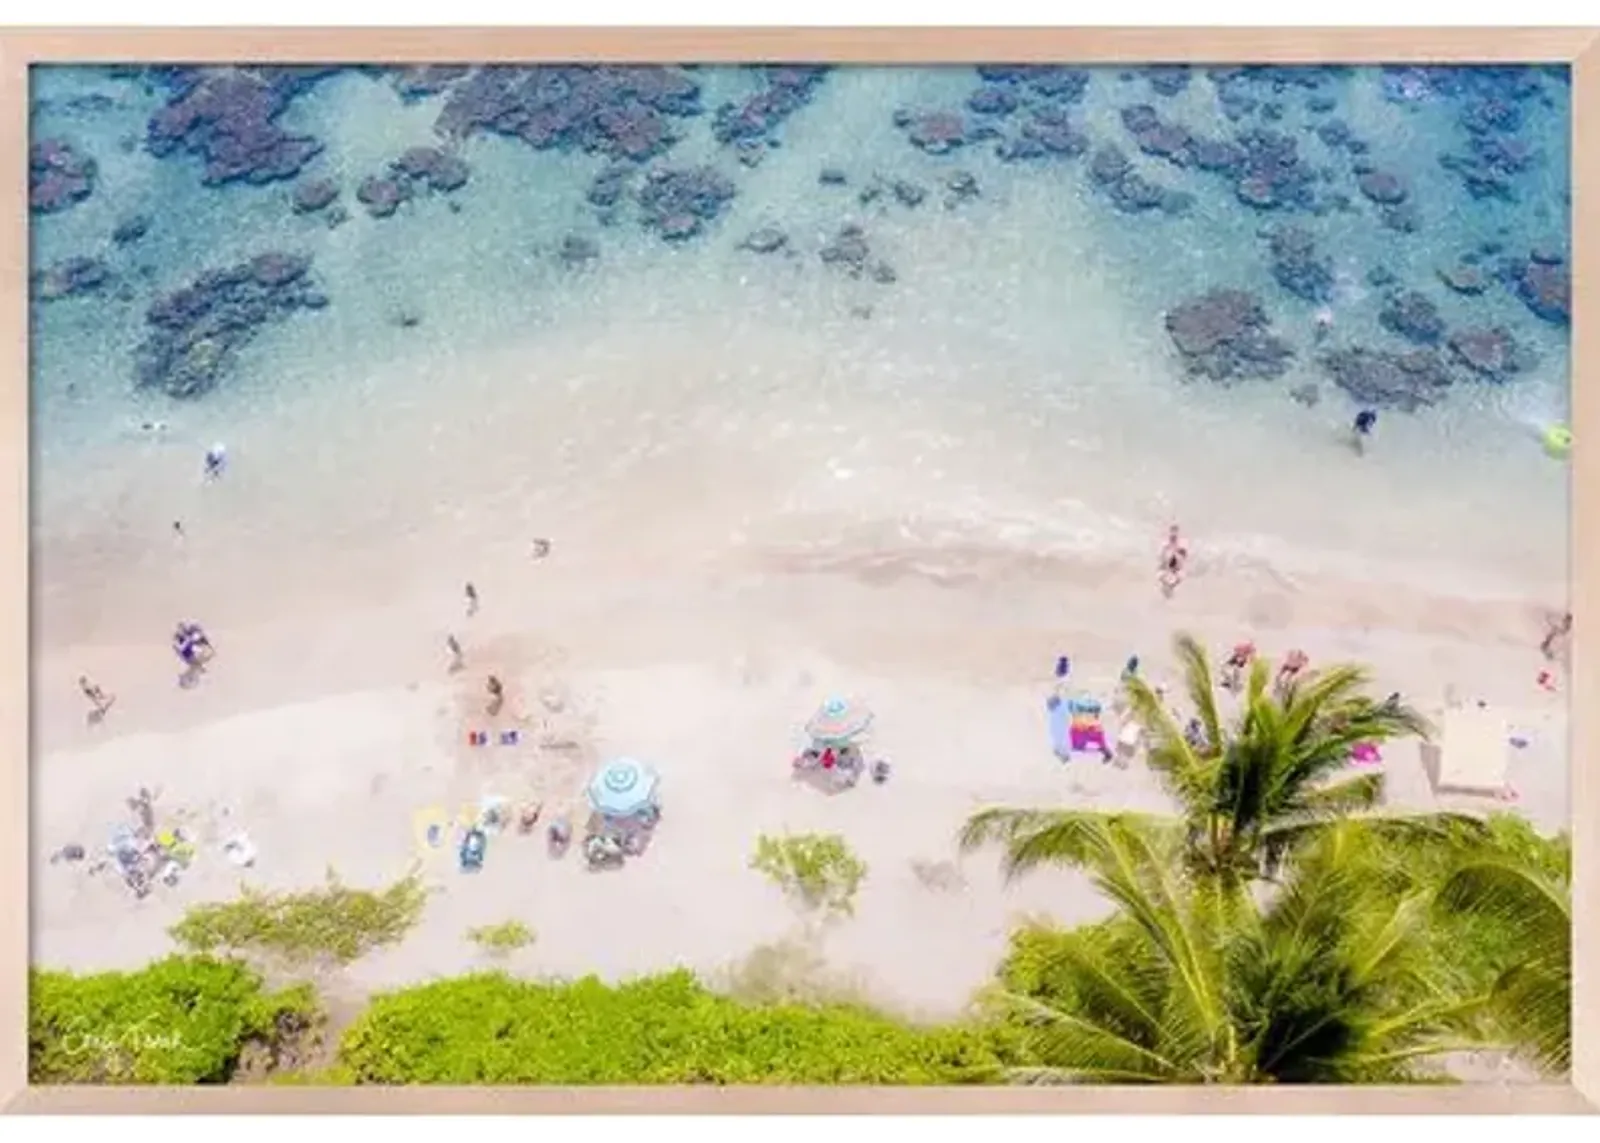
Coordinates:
182 1020
819 871
335 924
662 1029
502 939
1281 927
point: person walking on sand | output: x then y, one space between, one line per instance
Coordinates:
1361 430
453 645
472 601
1557 628
497 695
97 698
1063 669
1174 555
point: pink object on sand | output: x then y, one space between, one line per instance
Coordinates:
1365 754
1087 738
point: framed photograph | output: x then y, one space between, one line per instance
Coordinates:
873 570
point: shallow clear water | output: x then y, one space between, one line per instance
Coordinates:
1014 388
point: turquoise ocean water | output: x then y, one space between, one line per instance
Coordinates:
1013 387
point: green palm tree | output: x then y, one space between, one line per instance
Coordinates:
1326 984
1249 789
1532 999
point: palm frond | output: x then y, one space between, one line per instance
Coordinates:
1533 998
1074 838
1069 1043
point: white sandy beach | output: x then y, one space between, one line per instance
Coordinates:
324 739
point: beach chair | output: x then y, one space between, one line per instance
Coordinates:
1129 738
473 847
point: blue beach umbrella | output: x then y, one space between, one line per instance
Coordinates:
839 721
623 788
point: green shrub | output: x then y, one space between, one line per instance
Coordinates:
667 1029
182 1020
334 923
502 939
818 870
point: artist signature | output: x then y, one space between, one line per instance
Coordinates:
141 1037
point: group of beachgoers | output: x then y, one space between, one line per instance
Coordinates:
195 651
1173 565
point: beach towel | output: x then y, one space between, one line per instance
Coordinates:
1060 724
1075 726
432 828
1086 732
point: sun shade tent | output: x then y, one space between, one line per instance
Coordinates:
1473 755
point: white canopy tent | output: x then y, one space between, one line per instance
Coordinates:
1474 752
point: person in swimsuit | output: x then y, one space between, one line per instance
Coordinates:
194 651
1366 420
1174 554
97 698
1234 667
1063 669
1293 663
472 600
192 645
1556 631
453 645
497 694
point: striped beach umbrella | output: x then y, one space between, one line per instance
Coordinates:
839 721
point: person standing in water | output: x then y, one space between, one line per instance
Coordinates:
1174 555
1366 420
1324 324
216 461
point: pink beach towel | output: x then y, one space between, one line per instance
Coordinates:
1365 754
